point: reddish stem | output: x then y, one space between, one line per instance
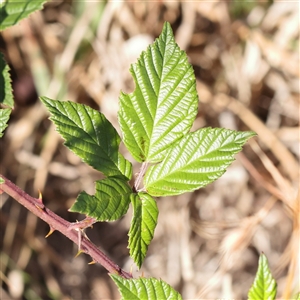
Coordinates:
57 223
140 176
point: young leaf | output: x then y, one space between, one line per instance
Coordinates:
109 203
89 135
4 117
197 160
1 181
6 96
264 286
144 220
164 104
12 11
145 289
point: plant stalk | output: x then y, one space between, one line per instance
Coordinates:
57 223
140 175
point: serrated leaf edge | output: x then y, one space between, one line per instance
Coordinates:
137 243
263 281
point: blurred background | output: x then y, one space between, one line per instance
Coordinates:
207 243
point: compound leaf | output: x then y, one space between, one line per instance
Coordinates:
110 202
264 286
144 220
195 161
145 289
12 11
4 117
89 135
6 95
164 104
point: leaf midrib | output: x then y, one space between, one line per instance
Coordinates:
84 133
190 161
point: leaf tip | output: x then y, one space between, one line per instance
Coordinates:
167 26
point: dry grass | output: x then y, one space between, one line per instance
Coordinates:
207 243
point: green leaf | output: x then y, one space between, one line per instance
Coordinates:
6 95
109 203
1 180
264 286
4 117
145 289
145 214
197 160
89 135
164 104
12 11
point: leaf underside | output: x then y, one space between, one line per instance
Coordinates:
90 136
145 214
12 11
264 286
110 202
6 95
195 161
163 106
145 289
4 117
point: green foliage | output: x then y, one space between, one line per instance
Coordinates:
145 289
90 136
264 286
164 104
4 117
13 11
145 214
6 96
195 161
109 203
155 121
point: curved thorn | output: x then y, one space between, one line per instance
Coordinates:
40 198
78 253
50 231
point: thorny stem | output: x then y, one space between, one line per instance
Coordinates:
140 175
57 223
